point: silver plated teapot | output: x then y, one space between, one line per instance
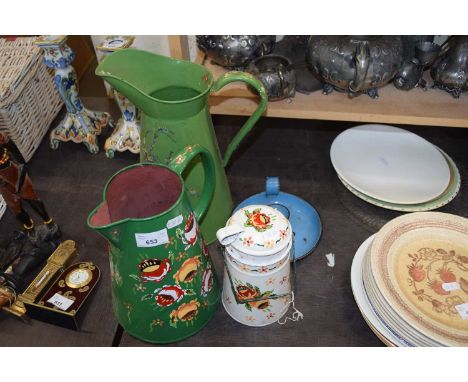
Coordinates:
450 71
235 51
355 64
410 75
276 73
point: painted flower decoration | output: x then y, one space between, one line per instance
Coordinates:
157 322
127 306
243 267
247 241
185 312
417 272
128 115
187 270
257 220
62 62
283 234
270 280
431 271
446 274
263 270
247 292
170 242
269 243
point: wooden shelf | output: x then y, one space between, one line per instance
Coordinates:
415 107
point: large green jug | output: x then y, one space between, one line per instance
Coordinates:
173 97
164 288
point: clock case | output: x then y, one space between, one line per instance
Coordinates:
70 318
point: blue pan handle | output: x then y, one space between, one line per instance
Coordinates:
272 186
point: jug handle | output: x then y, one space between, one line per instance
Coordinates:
180 163
233 76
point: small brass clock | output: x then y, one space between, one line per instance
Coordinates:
78 278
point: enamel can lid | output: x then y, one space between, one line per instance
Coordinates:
256 230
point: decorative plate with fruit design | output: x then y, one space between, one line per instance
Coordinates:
420 264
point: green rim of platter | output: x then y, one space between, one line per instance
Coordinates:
446 197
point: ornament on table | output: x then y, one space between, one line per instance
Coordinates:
410 73
16 188
80 125
235 51
258 286
354 64
163 283
126 135
450 70
30 246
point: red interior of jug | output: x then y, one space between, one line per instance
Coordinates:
139 192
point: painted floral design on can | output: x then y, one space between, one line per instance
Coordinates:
184 313
207 282
249 292
168 295
258 220
204 248
189 234
187 270
154 270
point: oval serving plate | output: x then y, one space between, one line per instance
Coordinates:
446 197
390 164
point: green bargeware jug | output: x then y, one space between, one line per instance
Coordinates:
173 97
164 288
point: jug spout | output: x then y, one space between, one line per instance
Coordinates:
99 220
123 82
154 83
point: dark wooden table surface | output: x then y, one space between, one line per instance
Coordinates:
70 181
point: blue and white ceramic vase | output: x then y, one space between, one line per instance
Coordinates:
126 135
80 125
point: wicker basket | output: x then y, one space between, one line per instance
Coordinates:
29 101
2 206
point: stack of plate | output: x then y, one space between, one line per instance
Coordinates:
410 280
394 168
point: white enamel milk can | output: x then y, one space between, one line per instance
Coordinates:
257 285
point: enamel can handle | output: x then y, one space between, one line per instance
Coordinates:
229 234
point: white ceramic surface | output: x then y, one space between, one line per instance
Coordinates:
412 258
390 164
446 197
249 286
257 235
258 242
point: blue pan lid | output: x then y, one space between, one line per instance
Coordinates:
304 218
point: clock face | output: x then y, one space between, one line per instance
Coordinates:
78 278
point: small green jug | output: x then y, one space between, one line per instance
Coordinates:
164 287
173 97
